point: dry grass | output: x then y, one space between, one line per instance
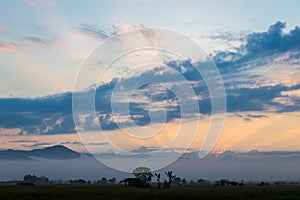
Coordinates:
92 192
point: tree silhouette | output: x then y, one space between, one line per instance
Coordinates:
176 181
112 180
171 177
34 179
102 181
158 180
144 174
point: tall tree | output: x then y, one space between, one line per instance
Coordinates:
144 174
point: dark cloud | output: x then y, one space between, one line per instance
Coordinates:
53 114
258 47
47 115
273 40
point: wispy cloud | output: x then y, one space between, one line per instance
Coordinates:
37 145
91 144
23 141
35 40
94 31
11 46
4 47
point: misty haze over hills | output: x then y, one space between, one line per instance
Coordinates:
58 162
60 152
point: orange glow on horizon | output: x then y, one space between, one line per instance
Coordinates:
272 132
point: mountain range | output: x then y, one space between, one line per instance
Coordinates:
58 152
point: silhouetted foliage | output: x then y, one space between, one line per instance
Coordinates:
135 182
177 181
112 180
226 182
171 176
78 181
158 180
34 179
102 181
203 182
264 183
144 174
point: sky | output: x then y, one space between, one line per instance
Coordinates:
40 32
255 46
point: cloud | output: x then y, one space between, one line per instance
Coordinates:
97 144
91 31
248 116
39 144
23 141
35 40
79 143
4 48
47 115
53 114
94 31
11 46
273 40
248 88
122 26
259 46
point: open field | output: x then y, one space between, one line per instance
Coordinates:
90 192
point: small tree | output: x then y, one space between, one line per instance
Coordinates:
177 181
158 180
103 180
112 180
171 177
144 174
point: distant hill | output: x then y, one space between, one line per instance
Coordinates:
57 152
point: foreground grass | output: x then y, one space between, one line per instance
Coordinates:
91 192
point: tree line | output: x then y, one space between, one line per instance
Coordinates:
143 178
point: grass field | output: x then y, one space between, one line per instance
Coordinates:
91 192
